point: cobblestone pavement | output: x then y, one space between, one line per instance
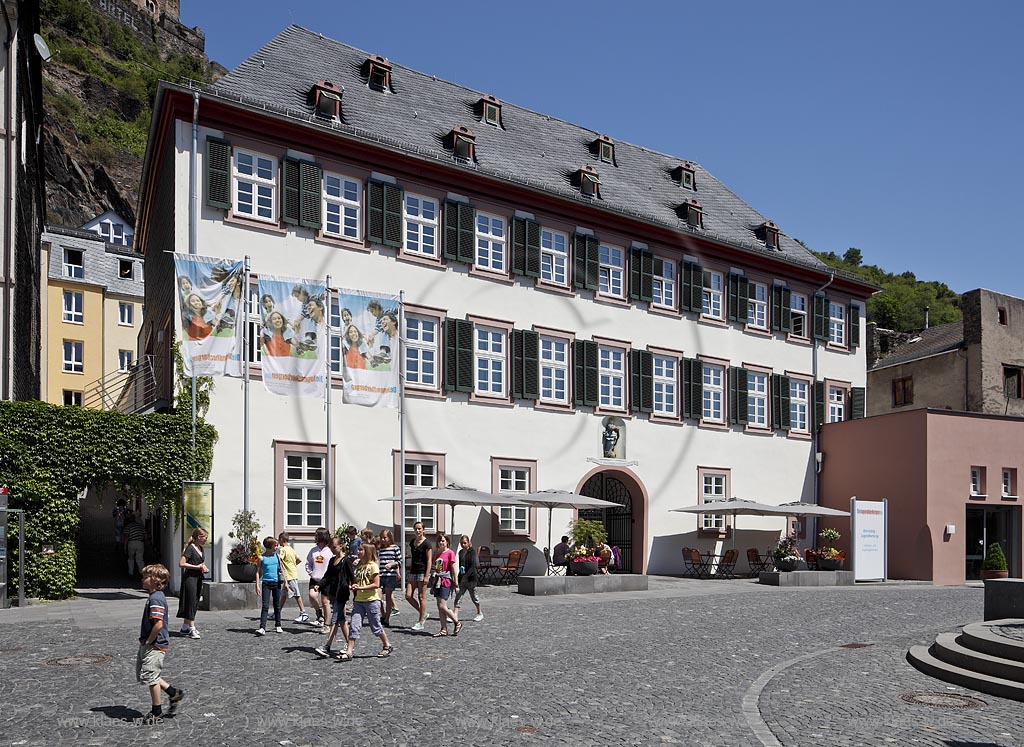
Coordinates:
689 662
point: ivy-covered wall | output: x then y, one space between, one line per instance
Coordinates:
49 454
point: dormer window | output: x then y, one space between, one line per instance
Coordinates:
378 74
491 110
694 213
768 232
327 100
686 175
605 149
463 143
590 182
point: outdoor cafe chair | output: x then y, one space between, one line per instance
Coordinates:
511 570
811 559
553 570
758 562
487 570
727 565
697 566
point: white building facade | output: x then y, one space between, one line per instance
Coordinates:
549 295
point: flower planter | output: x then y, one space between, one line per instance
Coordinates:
826 564
995 574
787 564
583 568
243 572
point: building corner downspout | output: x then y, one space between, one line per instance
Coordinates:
7 365
967 364
814 379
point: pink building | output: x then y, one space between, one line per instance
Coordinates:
951 481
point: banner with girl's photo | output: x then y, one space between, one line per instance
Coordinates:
209 301
293 340
369 348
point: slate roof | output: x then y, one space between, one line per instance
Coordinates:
101 260
934 340
532 149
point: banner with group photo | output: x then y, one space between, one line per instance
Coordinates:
209 301
293 338
369 348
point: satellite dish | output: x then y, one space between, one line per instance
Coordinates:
42 48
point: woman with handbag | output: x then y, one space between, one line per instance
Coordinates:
467 576
442 582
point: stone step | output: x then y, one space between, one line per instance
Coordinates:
922 659
948 648
979 637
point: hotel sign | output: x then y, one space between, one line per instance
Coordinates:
869 524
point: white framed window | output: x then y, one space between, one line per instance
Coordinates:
836 404
73 307
514 480
554 256
757 399
304 486
713 488
665 386
112 233
490 242
74 263
714 393
554 370
126 269
490 354
72 397
798 404
125 314
757 306
416 475
73 356
255 185
977 480
711 305
611 271
254 327
342 206
837 323
124 359
421 351
798 314
1009 483
664 284
420 218
611 372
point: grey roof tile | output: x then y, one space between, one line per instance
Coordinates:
534 148
940 339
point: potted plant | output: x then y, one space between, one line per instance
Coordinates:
995 563
583 558
786 555
829 558
245 553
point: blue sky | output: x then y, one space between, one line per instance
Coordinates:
894 127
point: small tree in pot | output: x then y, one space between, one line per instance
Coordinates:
587 534
995 563
245 553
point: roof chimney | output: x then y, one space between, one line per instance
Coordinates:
926 309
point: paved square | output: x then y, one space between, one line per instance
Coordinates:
689 662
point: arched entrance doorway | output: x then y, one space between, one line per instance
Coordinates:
619 522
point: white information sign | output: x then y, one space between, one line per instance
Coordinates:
869 522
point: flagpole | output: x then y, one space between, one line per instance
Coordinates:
245 386
193 241
401 419
329 483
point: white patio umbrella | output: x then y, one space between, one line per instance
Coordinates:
733 507
799 508
552 499
454 495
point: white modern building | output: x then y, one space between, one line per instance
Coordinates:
557 281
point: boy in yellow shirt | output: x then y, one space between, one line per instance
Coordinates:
290 565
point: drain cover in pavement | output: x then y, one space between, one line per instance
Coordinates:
856 645
526 729
80 660
942 700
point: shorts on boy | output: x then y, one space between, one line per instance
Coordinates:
388 583
149 664
365 610
415 578
338 608
292 585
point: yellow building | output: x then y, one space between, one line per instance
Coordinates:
91 317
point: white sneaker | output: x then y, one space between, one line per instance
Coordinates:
418 626
322 651
185 630
394 611
261 631
303 618
194 633
479 617
278 629
319 621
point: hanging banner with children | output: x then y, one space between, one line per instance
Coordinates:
369 352
293 340
209 293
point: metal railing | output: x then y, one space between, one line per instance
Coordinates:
133 390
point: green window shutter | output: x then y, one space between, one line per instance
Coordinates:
691 296
739 296
310 194
780 402
857 403
459 231
593 281
820 318
525 364
738 382
532 249
585 385
819 404
517 239
782 314
393 198
693 388
290 191
218 173
375 212
685 279
579 260
854 322
458 355
577 373
641 275
634 273
641 380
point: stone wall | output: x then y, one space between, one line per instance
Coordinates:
158 24
994 346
